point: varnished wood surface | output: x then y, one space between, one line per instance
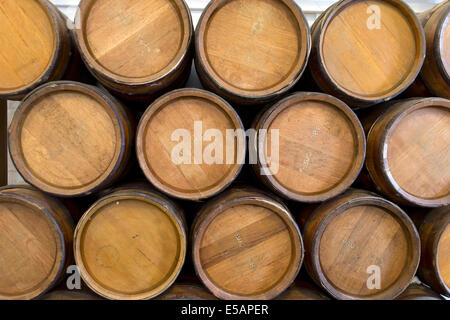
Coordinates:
363 66
251 51
179 110
35 46
408 151
70 139
418 292
321 147
184 291
347 235
434 267
72 295
302 290
35 242
130 245
246 245
138 49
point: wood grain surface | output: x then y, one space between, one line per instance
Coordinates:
184 291
363 60
70 139
251 51
321 147
131 244
348 236
35 242
418 292
246 245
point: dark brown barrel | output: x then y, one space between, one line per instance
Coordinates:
131 244
366 52
35 45
184 291
408 151
434 78
36 242
251 52
176 152
360 246
418 292
310 147
70 139
302 290
434 267
138 50
246 245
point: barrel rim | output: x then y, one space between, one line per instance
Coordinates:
60 257
150 197
352 97
207 215
438 49
358 134
229 90
106 77
367 199
110 105
145 120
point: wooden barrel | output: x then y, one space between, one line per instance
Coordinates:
418 292
434 267
35 242
70 139
366 52
35 46
302 291
360 246
179 137
408 151
251 51
62 295
310 147
434 77
136 49
184 291
246 245
131 244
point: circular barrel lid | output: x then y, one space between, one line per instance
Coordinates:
246 246
443 255
29 38
32 248
184 146
66 138
314 147
253 49
130 246
133 43
371 50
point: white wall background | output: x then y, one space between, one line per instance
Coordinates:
311 8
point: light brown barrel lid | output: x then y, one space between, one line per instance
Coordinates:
179 110
32 247
253 48
365 233
321 146
66 139
247 248
443 256
371 64
133 43
28 36
129 247
415 151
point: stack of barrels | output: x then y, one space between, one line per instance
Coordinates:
324 148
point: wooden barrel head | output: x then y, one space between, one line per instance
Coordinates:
321 147
30 40
444 47
369 51
443 256
356 241
192 111
413 151
32 248
302 293
183 291
133 44
130 246
66 139
246 246
418 292
252 49
73 295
